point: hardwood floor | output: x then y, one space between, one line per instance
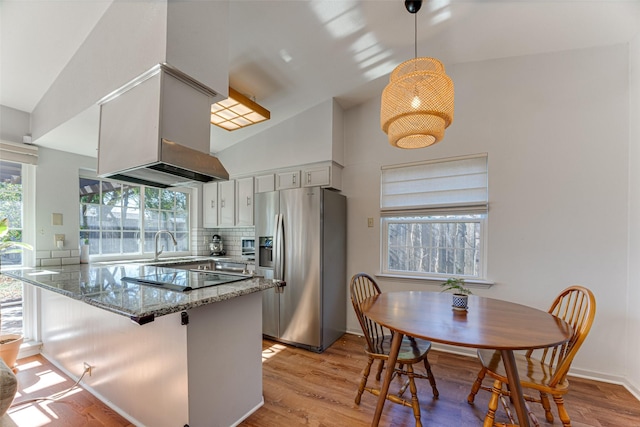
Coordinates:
302 388
37 378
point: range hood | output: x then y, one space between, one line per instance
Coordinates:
155 130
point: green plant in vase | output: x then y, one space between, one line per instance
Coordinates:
460 292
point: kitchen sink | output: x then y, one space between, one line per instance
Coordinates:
217 265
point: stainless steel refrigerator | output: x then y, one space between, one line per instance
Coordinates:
301 240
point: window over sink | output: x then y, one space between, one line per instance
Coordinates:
122 218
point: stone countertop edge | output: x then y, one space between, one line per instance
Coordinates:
170 301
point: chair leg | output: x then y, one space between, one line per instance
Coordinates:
432 379
496 391
414 395
380 368
544 400
476 386
562 412
363 380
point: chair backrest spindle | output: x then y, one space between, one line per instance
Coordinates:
576 305
363 286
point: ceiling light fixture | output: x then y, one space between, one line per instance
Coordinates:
417 104
237 112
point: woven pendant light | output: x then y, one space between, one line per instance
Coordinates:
417 104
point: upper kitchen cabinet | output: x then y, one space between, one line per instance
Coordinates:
316 175
226 202
244 202
287 179
323 176
210 205
265 183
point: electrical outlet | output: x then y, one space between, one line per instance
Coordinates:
369 222
88 368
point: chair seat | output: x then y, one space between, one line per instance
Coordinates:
412 350
533 372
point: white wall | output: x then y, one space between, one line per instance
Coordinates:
14 124
306 138
555 128
633 294
129 39
57 192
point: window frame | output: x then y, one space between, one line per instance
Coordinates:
385 220
30 294
141 254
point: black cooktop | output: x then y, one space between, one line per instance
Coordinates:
184 280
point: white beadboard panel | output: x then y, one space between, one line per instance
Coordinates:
142 370
163 374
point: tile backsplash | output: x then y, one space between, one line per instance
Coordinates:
201 238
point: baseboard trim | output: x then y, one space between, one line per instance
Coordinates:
248 414
91 390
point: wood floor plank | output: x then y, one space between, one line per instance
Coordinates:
303 388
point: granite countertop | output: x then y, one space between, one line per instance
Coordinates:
101 285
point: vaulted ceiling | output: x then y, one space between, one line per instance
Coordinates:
291 55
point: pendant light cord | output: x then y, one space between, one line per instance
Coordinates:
415 35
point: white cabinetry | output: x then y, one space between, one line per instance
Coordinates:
210 205
226 201
288 179
244 201
316 177
265 183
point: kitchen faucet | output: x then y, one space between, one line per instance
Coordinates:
158 252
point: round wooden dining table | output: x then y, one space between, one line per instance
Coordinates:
486 324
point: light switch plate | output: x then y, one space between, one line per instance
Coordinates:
369 222
56 219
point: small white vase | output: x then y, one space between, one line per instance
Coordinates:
459 301
84 254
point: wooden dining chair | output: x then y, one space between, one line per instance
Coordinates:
378 344
544 370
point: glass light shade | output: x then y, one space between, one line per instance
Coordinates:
237 112
417 104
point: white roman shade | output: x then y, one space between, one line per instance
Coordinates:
19 153
455 183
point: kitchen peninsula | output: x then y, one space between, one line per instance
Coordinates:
159 356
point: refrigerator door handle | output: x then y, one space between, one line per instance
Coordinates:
278 243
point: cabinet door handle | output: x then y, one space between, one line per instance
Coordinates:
213 204
222 203
294 178
248 201
308 177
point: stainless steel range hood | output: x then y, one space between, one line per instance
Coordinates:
155 130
